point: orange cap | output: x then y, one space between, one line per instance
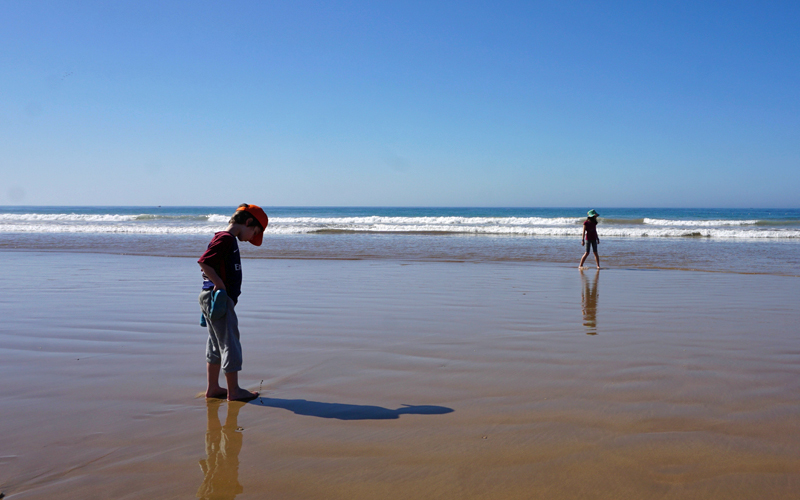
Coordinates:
260 216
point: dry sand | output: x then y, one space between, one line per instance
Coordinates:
386 379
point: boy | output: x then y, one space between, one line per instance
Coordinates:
222 270
590 237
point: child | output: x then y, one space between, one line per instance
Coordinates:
222 270
590 237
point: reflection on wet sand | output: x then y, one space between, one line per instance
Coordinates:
589 302
223 444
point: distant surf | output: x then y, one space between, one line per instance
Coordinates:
619 223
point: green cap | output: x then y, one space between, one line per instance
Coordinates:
592 213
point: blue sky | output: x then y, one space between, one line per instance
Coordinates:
679 104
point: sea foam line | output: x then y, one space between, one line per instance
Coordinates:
73 217
367 220
107 229
281 228
700 223
219 218
452 220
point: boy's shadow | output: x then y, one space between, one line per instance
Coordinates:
346 411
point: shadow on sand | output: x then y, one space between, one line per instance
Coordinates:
347 412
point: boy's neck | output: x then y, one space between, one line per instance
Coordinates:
234 229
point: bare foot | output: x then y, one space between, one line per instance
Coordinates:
242 395
219 393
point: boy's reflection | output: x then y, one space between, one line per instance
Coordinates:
223 443
589 302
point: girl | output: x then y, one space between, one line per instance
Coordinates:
590 238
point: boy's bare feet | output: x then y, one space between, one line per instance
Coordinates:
242 395
236 393
219 393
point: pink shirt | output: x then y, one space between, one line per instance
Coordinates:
591 230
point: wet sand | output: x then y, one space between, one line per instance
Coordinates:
387 379
765 256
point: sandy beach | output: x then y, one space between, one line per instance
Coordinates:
406 190
393 379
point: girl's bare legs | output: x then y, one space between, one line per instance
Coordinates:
596 259
583 259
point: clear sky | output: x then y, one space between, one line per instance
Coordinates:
658 104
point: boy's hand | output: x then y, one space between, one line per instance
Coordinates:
213 276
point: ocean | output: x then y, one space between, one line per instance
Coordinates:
764 241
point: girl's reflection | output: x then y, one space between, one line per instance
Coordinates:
589 302
223 443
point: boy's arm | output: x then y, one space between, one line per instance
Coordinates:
213 276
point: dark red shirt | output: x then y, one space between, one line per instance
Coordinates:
591 230
223 255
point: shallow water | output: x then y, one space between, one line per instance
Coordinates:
520 381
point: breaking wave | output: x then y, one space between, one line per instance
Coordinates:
144 224
101 218
106 228
700 223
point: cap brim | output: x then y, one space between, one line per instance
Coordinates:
262 219
257 239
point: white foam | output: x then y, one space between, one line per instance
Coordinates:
107 228
68 217
454 221
514 226
623 232
699 223
218 218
